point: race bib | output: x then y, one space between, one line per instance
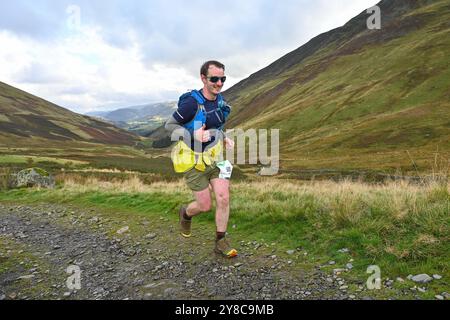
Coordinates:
226 168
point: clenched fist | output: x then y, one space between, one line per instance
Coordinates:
202 135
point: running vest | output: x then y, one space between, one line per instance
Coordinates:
183 157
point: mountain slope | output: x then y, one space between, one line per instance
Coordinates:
27 119
359 98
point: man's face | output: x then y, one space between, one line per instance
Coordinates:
213 88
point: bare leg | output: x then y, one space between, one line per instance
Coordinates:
201 204
221 189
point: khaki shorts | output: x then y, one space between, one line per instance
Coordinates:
199 180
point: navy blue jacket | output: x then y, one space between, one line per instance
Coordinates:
187 108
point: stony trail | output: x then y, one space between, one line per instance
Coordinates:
39 242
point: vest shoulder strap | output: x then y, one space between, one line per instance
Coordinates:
198 97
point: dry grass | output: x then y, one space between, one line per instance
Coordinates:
134 184
399 192
345 202
102 170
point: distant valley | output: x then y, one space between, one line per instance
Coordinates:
141 120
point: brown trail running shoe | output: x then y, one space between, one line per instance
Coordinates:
223 247
185 225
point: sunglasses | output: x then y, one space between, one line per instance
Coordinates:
216 79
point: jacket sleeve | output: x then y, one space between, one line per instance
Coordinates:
187 107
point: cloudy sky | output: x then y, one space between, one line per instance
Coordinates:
91 55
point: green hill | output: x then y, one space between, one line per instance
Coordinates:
26 120
354 98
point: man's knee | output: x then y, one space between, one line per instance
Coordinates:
204 205
223 199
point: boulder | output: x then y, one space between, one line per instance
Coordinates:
34 177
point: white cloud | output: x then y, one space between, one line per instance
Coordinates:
83 72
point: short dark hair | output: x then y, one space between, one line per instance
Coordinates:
205 67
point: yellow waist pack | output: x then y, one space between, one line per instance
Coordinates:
184 158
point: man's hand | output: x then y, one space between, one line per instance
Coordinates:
202 135
229 144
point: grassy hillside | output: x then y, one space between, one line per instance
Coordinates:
354 98
35 132
26 120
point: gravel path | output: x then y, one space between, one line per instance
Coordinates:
43 240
